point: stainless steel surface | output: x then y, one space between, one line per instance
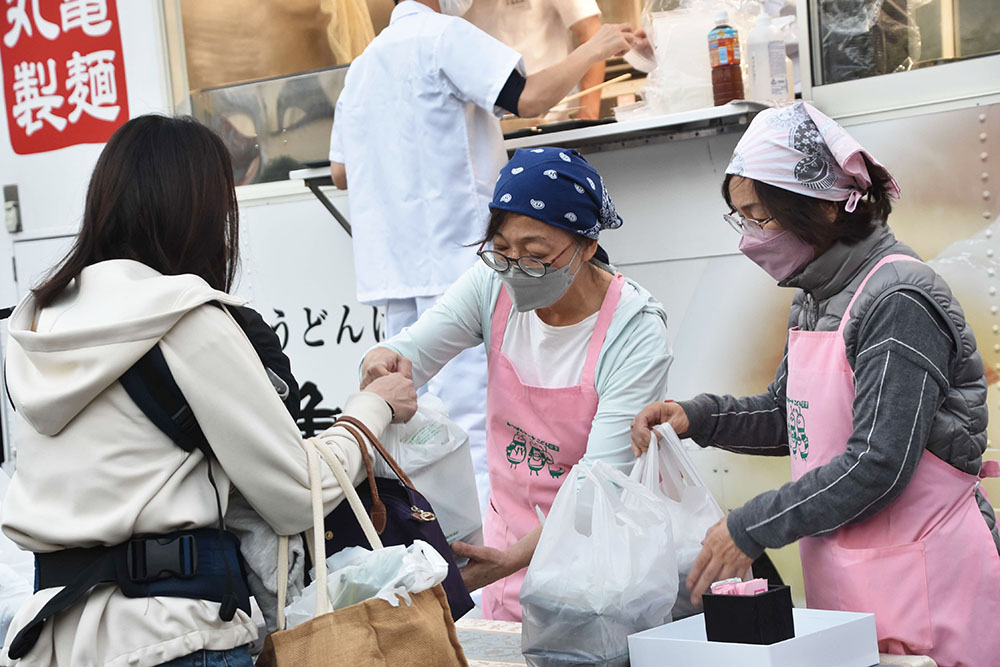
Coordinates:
667 127
274 125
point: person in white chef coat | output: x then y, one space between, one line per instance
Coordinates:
417 137
544 32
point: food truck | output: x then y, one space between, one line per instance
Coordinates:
917 82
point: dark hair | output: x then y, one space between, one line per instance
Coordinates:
808 217
162 193
497 219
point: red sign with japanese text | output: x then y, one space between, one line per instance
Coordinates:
63 72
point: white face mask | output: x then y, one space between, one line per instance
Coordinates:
455 7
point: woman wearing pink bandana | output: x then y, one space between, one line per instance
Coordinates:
880 402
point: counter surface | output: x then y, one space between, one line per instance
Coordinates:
498 644
735 113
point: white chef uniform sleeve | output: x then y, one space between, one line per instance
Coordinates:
571 11
336 142
474 65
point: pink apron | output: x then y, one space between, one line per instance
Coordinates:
926 565
534 436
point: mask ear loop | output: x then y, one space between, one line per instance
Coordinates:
852 200
575 253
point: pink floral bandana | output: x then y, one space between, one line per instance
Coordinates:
800 149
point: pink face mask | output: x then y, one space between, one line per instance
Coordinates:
777 251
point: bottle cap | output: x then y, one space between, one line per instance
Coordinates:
763 19
721 17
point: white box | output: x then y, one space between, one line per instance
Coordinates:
822 639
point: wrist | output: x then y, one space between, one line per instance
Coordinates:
513 561
736 525
589 54
392 410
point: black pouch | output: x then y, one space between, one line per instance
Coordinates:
750 619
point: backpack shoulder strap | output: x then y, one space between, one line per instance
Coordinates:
151 385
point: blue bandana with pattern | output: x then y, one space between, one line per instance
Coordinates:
558 187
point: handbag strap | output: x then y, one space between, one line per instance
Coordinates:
378 512
323 605
317 543
380 448
282 579
353 499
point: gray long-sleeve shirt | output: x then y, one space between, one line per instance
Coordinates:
900 373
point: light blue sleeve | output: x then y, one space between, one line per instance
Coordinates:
631 375
453 324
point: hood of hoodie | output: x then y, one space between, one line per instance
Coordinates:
61 358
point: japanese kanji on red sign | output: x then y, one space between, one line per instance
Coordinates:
63 72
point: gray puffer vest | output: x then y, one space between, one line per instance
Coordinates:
826 287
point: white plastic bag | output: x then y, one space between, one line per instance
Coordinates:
667 469
17 571
603 569
14 592
357 574
11 555
434 452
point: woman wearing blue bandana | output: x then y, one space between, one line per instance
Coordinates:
575 349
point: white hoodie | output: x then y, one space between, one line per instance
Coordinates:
93 470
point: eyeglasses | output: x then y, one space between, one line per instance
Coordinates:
739 223
532 266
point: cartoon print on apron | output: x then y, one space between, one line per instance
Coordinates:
534 435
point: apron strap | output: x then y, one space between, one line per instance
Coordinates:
888 259
501 313
611 299
990 469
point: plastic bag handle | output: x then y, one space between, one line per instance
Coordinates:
646 470
604 488
600 473
380 448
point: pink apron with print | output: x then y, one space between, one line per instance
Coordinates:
534 436
926 565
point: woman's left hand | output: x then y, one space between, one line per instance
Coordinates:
719 559
486 565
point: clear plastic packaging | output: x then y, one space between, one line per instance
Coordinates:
862 38
357 574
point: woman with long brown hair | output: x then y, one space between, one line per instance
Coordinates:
132 563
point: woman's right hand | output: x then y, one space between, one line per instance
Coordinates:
382 361
654 414
397 390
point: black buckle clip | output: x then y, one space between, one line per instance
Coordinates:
153 558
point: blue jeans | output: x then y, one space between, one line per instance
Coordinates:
237 657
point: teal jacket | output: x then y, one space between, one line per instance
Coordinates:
631 368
